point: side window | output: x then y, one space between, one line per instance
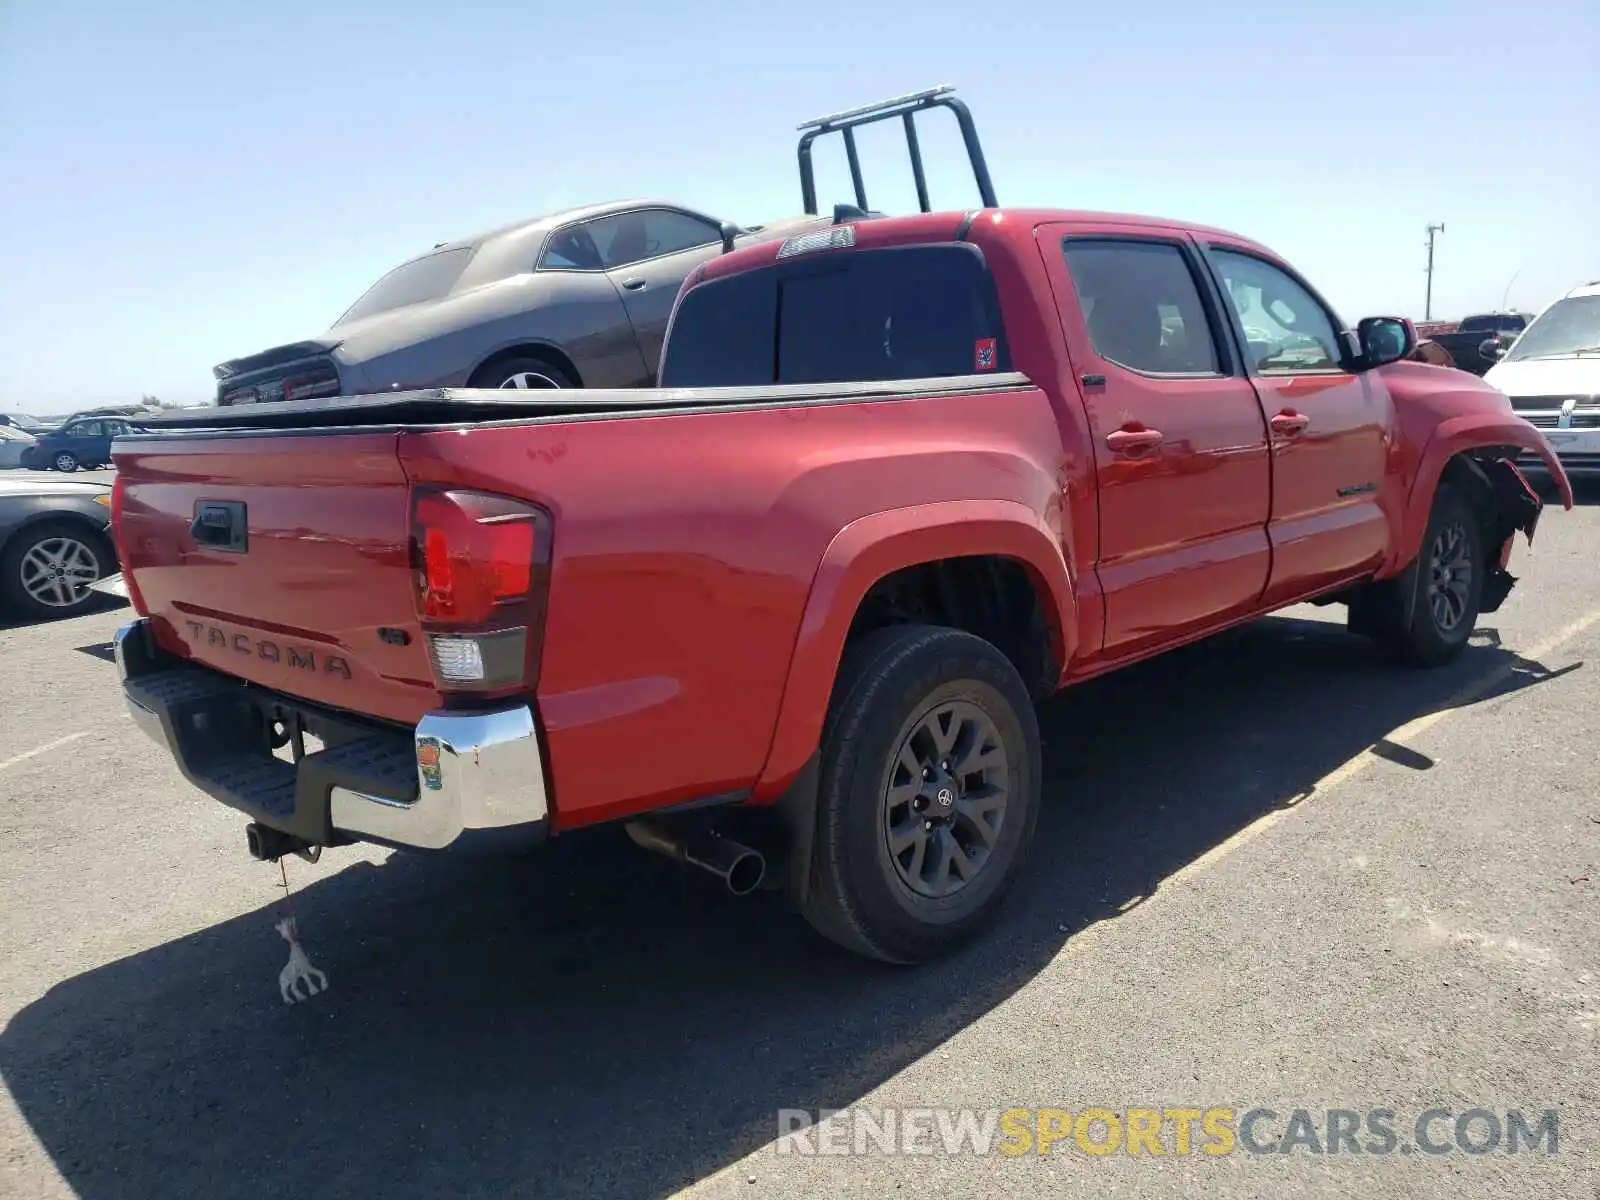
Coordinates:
1285 330
1142 306
570 249
86 429
632 237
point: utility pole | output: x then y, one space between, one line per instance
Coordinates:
1505 296
1427 305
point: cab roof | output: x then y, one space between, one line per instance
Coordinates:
953 225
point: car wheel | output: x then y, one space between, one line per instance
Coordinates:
1425 616
65 461
524 373
928 793
46 570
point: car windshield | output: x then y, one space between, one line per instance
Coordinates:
1566 327
425 278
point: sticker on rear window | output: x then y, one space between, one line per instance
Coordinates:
983 356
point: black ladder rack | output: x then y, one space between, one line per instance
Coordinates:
906 108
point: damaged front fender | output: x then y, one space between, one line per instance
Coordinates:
1506 504
1464 445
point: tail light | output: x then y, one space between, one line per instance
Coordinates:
120 540
482 568
304 387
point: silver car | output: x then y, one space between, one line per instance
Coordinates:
574 299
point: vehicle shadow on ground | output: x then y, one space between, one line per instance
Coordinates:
590 1021
99 604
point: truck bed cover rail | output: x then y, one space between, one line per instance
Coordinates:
456 406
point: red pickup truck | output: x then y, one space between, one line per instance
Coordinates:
786 616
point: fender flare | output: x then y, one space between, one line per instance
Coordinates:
1450 438
877 545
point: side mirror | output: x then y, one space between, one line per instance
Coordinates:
1493 349
729 232
1385 340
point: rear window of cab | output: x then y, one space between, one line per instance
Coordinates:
904 312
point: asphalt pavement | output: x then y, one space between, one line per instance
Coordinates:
1272 873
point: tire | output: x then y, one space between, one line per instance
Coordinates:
34 551
911 907
65 461
532 373
1427 617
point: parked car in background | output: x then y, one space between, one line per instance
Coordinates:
110 410
1469 342
1552 374
14 444
81 442
23 421
55 543
573 299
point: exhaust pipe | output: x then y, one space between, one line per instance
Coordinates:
737 865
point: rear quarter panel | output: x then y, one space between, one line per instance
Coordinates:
685 548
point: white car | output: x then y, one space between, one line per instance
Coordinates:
13 443
1552 375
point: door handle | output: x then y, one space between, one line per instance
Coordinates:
634 284
1131 441
1289 422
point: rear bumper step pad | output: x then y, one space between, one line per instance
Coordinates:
457 770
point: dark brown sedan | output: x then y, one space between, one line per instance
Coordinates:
574 299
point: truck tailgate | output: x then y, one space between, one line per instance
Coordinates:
283 560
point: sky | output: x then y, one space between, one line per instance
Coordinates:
186 181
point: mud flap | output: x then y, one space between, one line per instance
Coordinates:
1516 506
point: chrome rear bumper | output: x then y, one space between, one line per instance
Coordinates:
456 771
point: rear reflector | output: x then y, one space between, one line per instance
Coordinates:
457 659
490 660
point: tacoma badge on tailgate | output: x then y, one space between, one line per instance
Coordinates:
302 658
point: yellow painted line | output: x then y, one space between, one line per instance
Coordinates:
1353 766
44 749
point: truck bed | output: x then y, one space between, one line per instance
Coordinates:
688 529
